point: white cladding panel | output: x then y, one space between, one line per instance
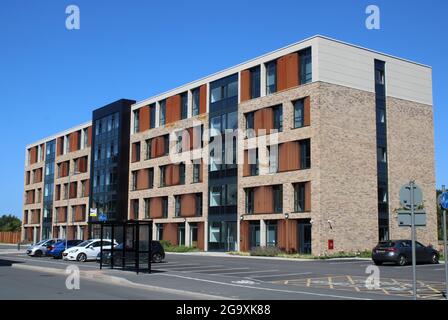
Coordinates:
353 67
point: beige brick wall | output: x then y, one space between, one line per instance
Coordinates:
411 157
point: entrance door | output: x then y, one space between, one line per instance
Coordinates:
194 235
304 237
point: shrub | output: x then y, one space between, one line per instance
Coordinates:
265 251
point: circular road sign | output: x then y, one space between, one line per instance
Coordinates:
405 196
443 200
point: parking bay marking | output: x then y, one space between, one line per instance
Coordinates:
240 272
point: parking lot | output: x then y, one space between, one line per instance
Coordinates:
235 277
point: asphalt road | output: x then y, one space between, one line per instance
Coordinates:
239 278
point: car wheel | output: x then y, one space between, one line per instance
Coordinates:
402 261
82 257
38 253
377 263
157 258
435 258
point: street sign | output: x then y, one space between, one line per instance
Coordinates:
102 217
93 212
405 218
443 200
405 196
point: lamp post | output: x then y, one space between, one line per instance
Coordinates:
68 205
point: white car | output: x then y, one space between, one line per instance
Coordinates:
87 250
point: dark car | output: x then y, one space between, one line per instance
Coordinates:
400 252
157 251
56 249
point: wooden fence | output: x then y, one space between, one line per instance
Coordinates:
10 237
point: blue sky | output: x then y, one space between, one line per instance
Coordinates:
51 78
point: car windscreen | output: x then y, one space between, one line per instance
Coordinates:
386 244
41 242
84 244
73 242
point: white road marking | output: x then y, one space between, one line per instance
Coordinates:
260 271
200 268
348 262
178 266
283 274
267 289
225 269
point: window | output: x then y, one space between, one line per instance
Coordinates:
250 125
379 76
198 204
278 118
182 173
253 161
278 198
162 113
137 151
215 125
299 197
215 196
232 192
299 113
232 89
164 207
305 66
195 106
184 105
249 200
271 233
382 116
148 144
177 206
255 82
382 195
134 180
232 120
216 94
179 142
147 213
305 154
273 158
196 172
152 116
150 178
271 77
382 155
136 121
159 231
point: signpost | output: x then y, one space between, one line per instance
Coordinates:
443 202
411 196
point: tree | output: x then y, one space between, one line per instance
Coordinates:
10 223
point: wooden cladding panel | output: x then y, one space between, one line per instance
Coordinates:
203 99
244 235
156 208
263 119
157 147
307 112
263 200
144 119
288 71
245 85
74 140
289 156
308 196
59 146
173 109
188 205
89 136
287 235
170 233
200 235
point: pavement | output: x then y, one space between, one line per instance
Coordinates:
217 277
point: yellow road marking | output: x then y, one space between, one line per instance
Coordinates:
308 282
330 282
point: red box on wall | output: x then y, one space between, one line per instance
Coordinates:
330 244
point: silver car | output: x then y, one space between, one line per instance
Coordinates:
39 249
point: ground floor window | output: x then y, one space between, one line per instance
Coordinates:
254 232
271 233
159 235
181 234
222 235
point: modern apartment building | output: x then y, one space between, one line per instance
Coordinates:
304 148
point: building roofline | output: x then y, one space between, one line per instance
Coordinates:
61 133
265 55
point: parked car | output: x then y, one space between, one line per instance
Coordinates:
56 249
39 249
400 252
87 250
157 251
